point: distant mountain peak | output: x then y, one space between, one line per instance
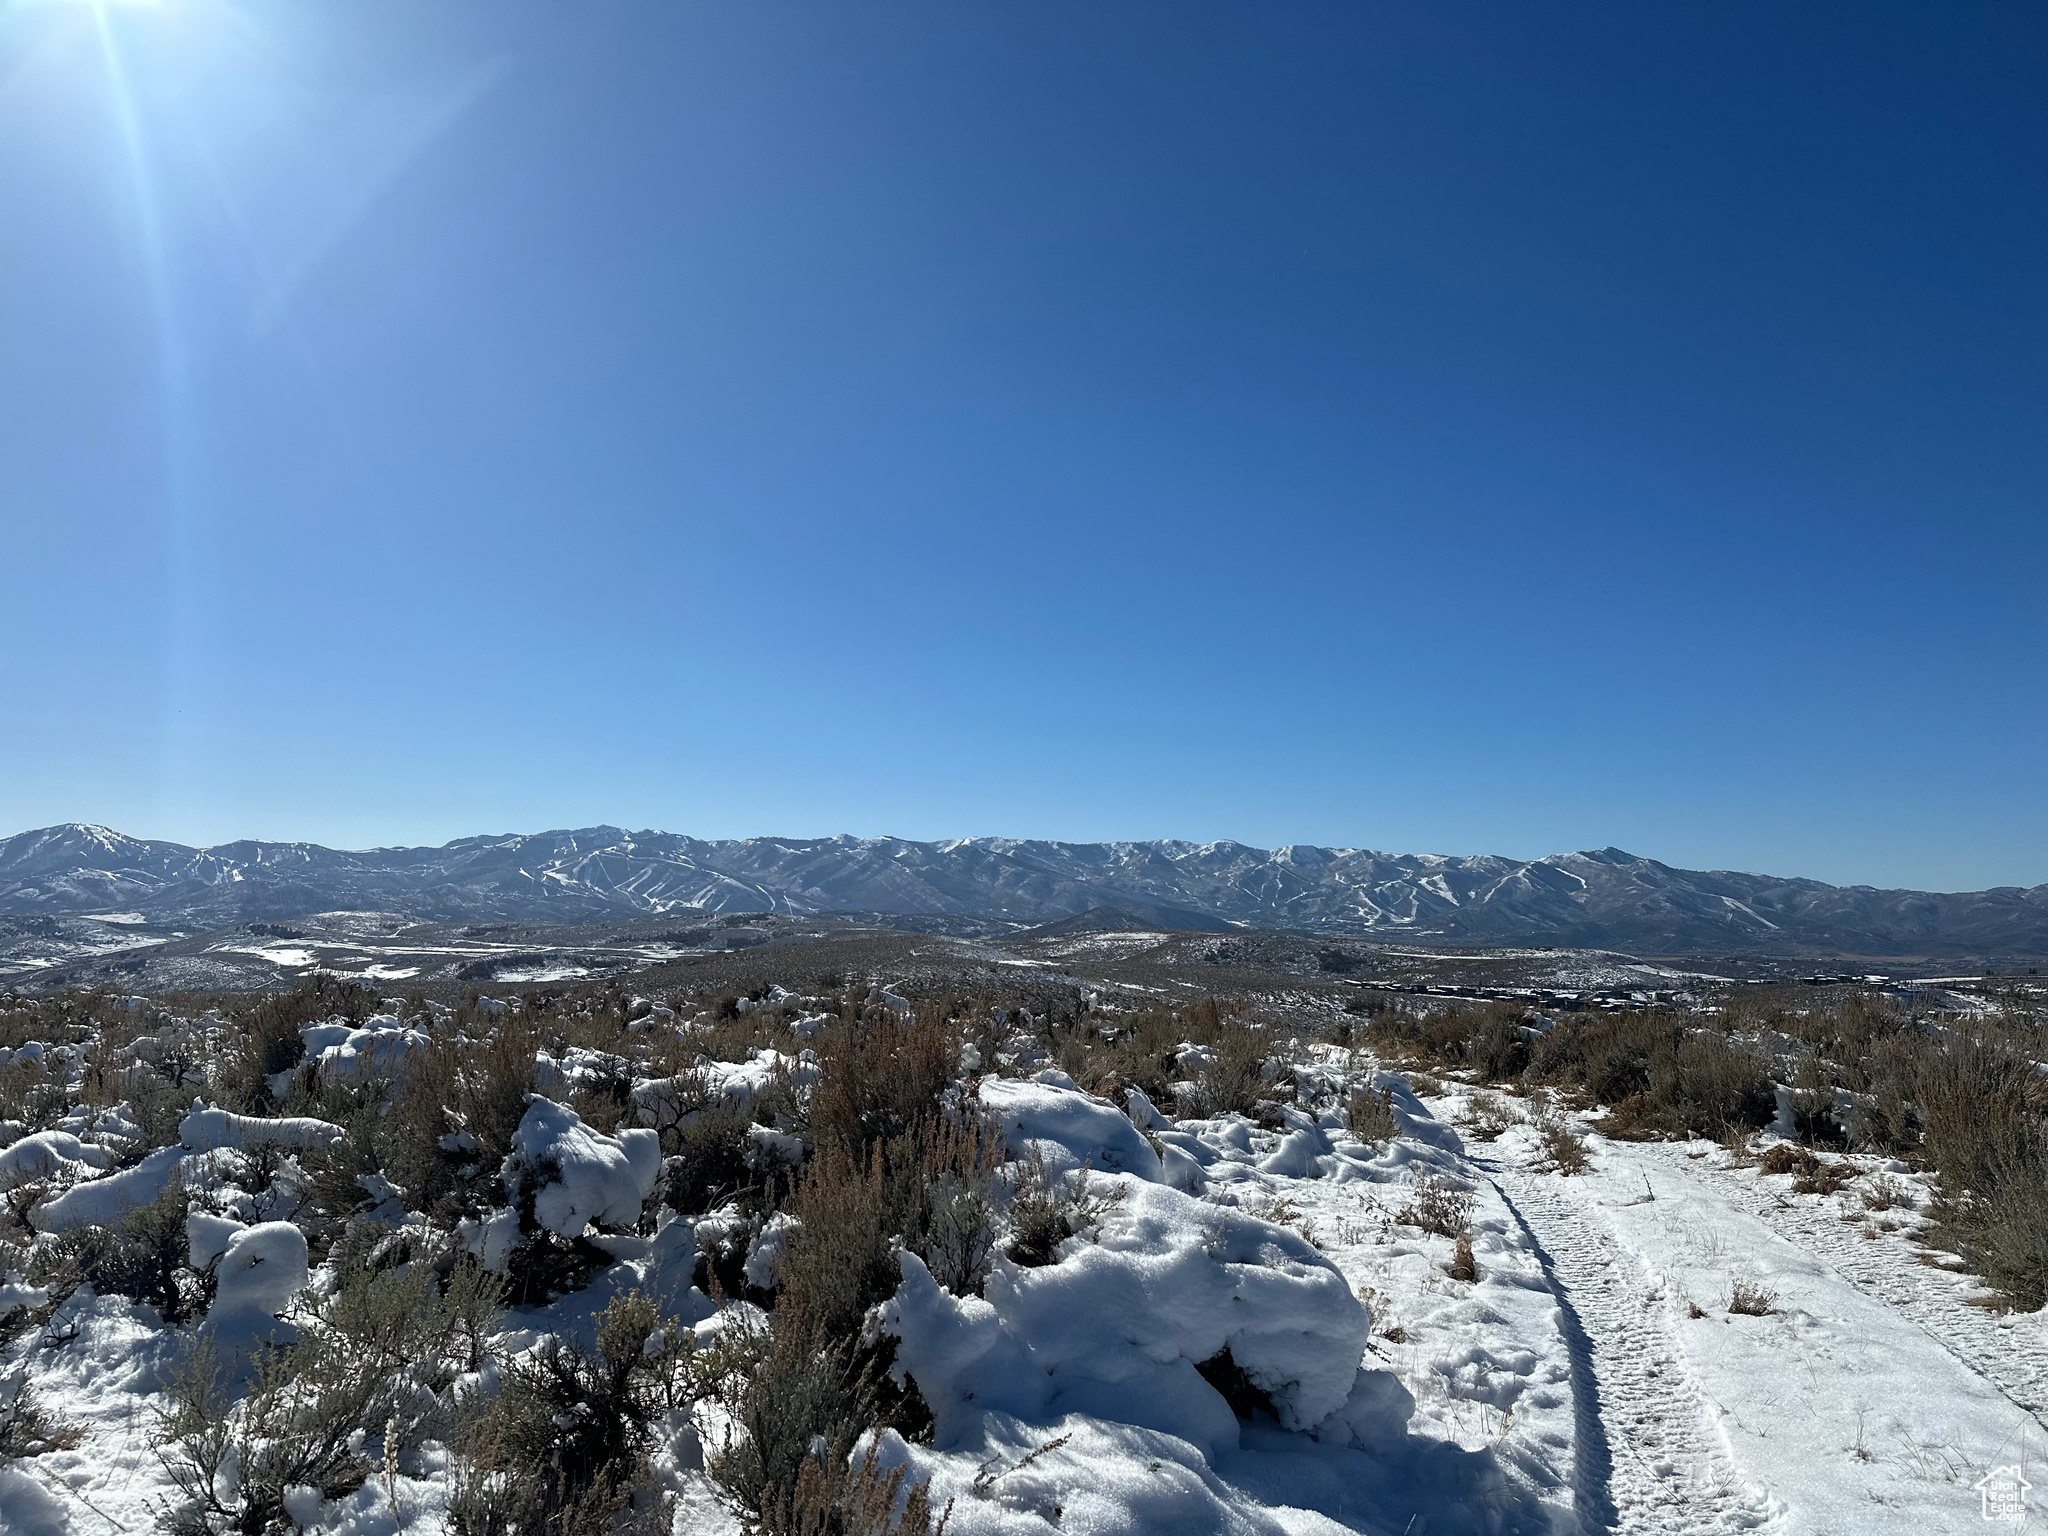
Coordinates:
1602 898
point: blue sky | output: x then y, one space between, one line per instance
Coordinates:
1432 428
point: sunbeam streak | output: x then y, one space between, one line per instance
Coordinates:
176 446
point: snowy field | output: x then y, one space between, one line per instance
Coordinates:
1580 1369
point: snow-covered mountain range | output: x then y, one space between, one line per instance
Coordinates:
1606 898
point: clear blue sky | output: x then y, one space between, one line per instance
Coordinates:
1446 428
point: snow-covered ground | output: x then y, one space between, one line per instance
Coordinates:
1874 1395
1585 1375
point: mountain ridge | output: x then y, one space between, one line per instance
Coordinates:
1606 898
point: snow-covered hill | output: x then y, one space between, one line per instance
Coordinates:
1304 1328
1605 898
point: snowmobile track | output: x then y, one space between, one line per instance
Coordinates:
1647 1461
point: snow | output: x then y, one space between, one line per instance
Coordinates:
768 1247
318 1037
290 956
105 1201
47 1154
579 1176
99 1370
1834 1401
1070 1129
27 1507
207 1236
1567 1386
209 1130
768 1148
14 1296
1072 1388
378 1049
1170 1281
735 1084
261 1269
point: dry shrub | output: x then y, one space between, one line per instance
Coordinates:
1399 1035
815 1383
1497 1048
1884 1193
952 1222
1822 1177
26 1428
407 1308
1139 1052
1233 1081
396 1132
1441 1205
2000 1225
409 1136
1605 1057
803 1394
707 1159
841 1261
1048 1208
1370 1116
882 1073
603 1098
303 1422
1463 1265
268 1040
831 1500
1813 1101
1661 1077
376 1356
1750 1299
1711 1084
492 1085
145 1257
1811 1175
1890 1074
890 1168
1983 1105
32 1093
1784 1157
563 1446
1563 1149
1486 1117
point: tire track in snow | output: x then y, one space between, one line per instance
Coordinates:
1645 1459
2011 1355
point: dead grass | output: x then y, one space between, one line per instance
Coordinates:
1440 1205
1370 1116
1811 1173
1564 1149
1749 1299
1486 1117
1463 1265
